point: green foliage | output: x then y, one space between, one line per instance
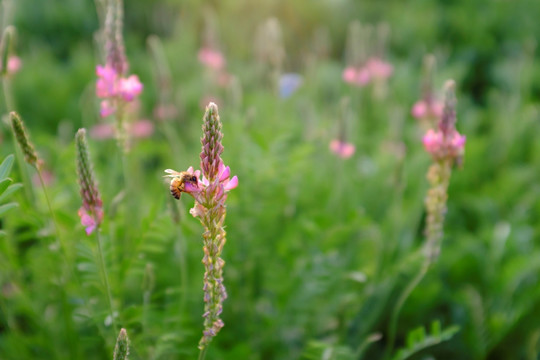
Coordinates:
6 186
319 248
418 339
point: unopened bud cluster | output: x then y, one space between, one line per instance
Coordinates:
21 136
91 211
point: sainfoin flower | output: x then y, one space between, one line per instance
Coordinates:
211 58
379 69
14 64
91 211
445 143
359 76
342 149
209 187
427 109
113 88
446 146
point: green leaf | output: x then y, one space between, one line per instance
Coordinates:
10 190
6 207
5 167
4 185
418 340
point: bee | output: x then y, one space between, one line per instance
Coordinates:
178 181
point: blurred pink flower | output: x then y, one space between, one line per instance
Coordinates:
130 88
165 112
88 221
102 131
142 129
379 69
14 64
358 76
440 146
110 86
422 109
211 58
342 149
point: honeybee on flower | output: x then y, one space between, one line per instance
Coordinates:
183 181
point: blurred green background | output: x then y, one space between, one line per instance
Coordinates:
318 247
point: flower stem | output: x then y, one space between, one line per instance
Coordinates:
56 228
105 279
399 304
202 354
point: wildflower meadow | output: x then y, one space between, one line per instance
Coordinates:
317 180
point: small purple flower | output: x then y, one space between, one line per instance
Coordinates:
289 83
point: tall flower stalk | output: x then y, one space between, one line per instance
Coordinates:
114 87
91 211
446 147
210 194
31 157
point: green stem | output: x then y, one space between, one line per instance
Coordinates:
399 304
183 270
56 228
202 354
105 279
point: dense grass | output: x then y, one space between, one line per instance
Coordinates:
319 247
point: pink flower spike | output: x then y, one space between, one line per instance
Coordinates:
102 131
129 88
342 149
419 109
231 184
142 129
433 141
14 64
349 74
211 58
379 68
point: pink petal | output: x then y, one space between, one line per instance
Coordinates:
102 131
232 183
419 109
142 129
349 74
225 172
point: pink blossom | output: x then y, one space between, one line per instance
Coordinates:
379 69
342 149
111 87
356 76
142 129
433 141
129 88
14 64
106 82
440 146
422 109
211 58
106 108
90 221
102 131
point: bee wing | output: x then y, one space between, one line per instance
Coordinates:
171 173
